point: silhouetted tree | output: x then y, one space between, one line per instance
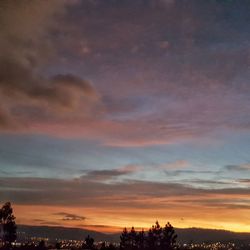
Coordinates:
89 243
133 239
141 241
58 245
8 225
124 239
169 237
111 247
41 245
157 238
157 235
103 246
150 240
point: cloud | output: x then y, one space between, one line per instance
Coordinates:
189 172
239 168
5 120
27 93
109 174
232 204
167 89
98 226
212 182
77 192
26 43
46 222
70 217
62 91
28 96
247 181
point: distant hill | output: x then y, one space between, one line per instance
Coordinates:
187 235
198 235
55 232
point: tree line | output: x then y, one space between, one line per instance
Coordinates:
156 238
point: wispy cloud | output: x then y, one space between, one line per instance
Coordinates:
70 217
54 191
247 181
109 174
238 168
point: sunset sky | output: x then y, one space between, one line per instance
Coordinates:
117 113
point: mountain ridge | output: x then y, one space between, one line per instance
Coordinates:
185 235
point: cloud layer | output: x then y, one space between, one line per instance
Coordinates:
158 78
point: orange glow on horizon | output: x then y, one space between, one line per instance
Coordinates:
110 221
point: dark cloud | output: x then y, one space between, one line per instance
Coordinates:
17 81
242 167
231 203
46 222
120 194
74 82
24 87
189 172
247 181
202 181
70 217
97 226
109 174
5 120
23 91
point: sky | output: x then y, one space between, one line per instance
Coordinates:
119 112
